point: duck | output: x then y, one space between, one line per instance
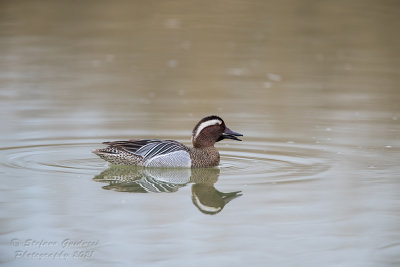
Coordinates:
171 153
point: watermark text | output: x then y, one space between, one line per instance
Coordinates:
53 249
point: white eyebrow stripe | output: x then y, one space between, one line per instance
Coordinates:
206 124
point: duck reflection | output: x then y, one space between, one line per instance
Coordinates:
157 180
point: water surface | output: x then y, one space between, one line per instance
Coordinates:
313 86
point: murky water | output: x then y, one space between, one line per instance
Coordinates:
313 86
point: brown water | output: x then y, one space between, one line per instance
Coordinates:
312 85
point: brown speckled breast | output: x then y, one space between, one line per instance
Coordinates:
204 157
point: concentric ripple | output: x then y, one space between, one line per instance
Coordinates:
255 161
261 161
68 158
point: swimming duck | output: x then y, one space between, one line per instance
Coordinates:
170 153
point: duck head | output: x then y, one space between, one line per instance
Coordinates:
210 130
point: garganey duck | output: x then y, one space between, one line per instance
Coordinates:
170 153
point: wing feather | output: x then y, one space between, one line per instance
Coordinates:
148 148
